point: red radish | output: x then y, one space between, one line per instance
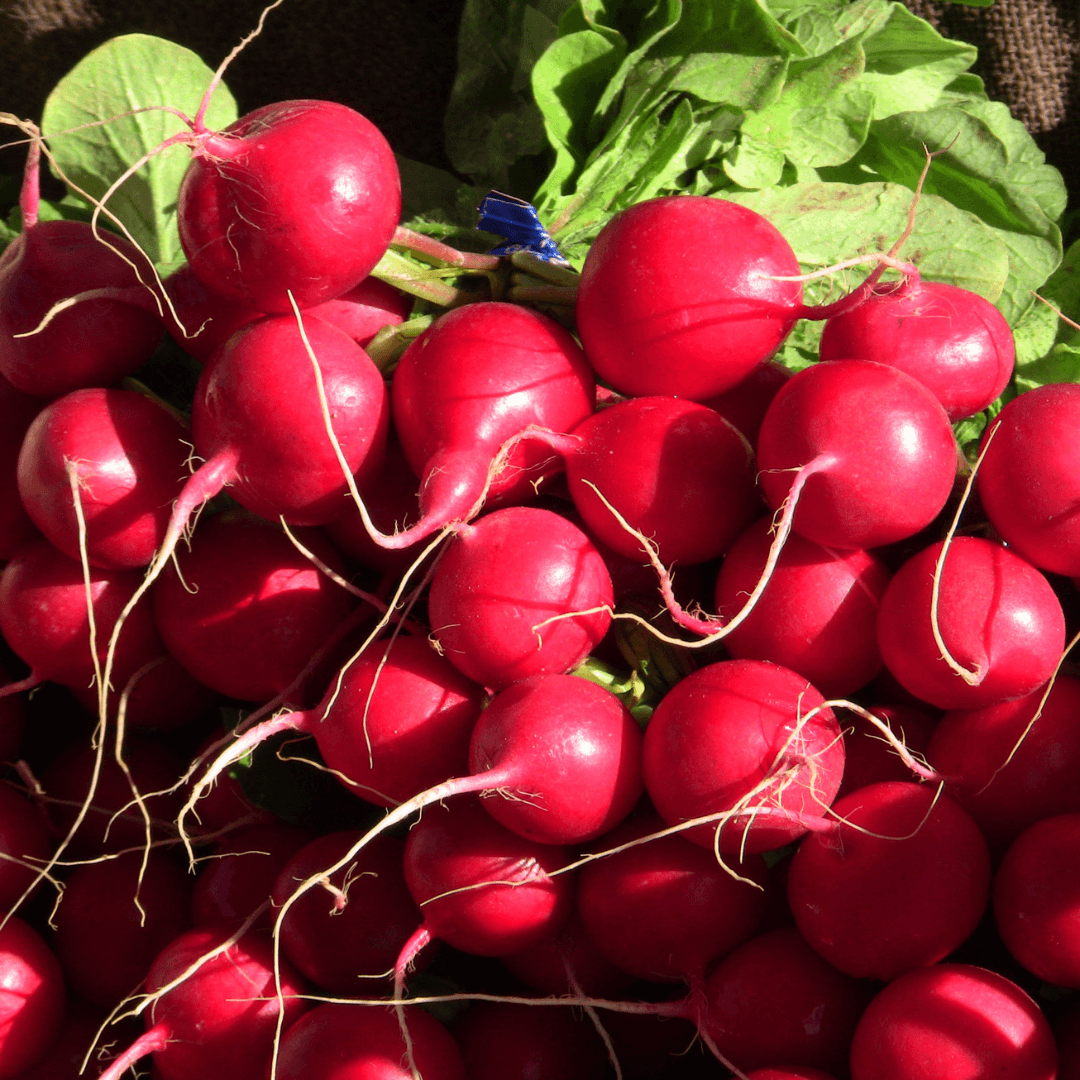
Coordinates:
127 453
956 343
676 471
356 1042
997 615
219 1021
364 310
1009 769
482 888
259 608
521 592
666 910
508 1041
649 326
566 962
298 195
240 875
225 805
31 998
793 1072
1037 899
43 617
82 1022
17 410
747 402
113 919
1028 480
25 845
867 448
204 319
735 740
953 1022
817 615
349 929
868 759
774 1001
899 882
478 376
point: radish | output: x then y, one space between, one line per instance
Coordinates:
676 471
900 881
126 454
221 1019
953 1022
298 195
1012 764
1037 899
665 910
203 320
25 845
113 919
868 759
17 410
1028 481
866 449
746 742
999 621
817 615
353 1042
956 343
31 997
520 592
774 1001
259 611
747 402
350 929
477 377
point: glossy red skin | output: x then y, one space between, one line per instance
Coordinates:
480 374
903 894
206 319
818 614
31 997
507 1041
414 709
364 310
719 733
24 834
261 609
870 760
456 845
502 576
130 454
242 872
1029 480
774 1001
677 296
675 470
349 1042
343 948
574 750
956 343
299 195
666 910
894 450
953 1022
96 342
1005 775
258 396
1037 899
17 410
43 616
995 612
747 402
217 1026
105 944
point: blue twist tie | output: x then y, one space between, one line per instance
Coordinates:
518 222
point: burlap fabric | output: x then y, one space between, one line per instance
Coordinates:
394 59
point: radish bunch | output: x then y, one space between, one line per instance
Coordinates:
459 591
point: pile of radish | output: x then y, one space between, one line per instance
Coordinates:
690 716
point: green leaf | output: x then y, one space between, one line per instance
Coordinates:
821 27
827 223
491 120
909 64
438 204
1060 365
127 73
1063 291
754 165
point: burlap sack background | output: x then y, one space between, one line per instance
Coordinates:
393 60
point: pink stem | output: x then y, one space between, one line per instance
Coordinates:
152 1040
421 937
31 680
30 195
435 249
